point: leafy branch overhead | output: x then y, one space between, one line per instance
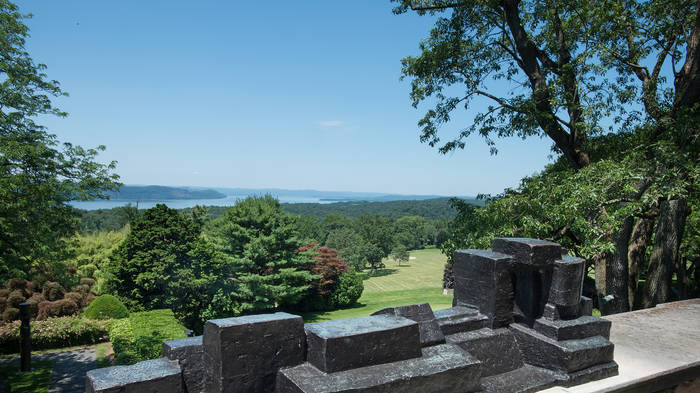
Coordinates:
38 175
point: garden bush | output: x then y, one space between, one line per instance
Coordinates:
140 336
10 314
106 306
55 333
52 291
347 290
58 308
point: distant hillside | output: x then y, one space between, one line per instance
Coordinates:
430 209
154 193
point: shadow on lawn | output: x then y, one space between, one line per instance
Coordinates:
320 316
379 273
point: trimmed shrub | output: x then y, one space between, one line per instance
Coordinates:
106 306
58 308
76 297
347 290
10 314
52 291
82 288
55 333
17 283
15 298
34 303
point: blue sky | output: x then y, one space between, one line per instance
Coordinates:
298 95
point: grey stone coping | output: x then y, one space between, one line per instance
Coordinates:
486 254
250 319
654 345
357 326
149 370
184 342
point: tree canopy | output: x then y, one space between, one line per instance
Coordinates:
615 86
261 241
38 176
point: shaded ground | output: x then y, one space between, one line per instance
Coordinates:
69 369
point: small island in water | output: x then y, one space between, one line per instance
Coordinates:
155 193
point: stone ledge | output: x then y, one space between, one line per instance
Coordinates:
153 376
442 368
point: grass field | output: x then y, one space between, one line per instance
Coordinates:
417 281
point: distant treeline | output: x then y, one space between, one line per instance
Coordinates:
430 209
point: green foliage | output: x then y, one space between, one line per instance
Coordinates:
348 288
352 248
429 209
165 263
106 307
37 177
140 337
35 381
90 254
260 240
112 220
55 333
400 254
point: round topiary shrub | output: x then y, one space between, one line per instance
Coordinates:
34 301
76 297
15 298
10 314
52 291
106 306
58 308
347 289
17 283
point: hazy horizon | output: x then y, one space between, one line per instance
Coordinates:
296 95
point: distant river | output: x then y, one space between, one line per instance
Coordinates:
184 203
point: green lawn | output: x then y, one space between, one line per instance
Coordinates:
36 381
417 281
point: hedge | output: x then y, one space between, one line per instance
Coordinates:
140 337
55 333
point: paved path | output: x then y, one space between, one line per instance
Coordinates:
69 369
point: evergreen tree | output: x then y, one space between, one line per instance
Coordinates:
165 263
261 241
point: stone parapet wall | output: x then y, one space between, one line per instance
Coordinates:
518 323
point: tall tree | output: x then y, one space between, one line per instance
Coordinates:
38 177
568 68
261 241
165 263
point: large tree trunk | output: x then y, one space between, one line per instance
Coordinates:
636 253
669 233
612 273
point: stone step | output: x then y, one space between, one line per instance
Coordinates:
521 380
430 332
582 327
441 368
496 349
460 319
357 342
568 355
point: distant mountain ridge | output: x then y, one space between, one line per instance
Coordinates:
156 193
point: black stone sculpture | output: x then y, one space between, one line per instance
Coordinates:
519 323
